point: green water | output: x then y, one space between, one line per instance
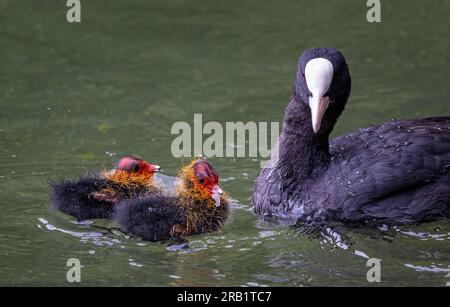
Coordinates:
75 97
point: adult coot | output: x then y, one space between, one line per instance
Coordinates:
397 172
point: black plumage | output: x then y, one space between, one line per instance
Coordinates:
74 197
151 218
79 197
156 218
94 196
397 172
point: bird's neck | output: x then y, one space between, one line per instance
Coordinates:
302 153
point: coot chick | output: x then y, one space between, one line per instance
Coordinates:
94 196
199 207
397 172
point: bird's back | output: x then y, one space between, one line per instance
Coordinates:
150 217
387 171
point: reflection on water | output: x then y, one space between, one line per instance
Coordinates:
433 268
426 235
74 98
289 266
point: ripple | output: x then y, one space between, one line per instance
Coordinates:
226 179
426 235
178 247
267 233
432 268
254 284
135 264
97 238
334 238
361 254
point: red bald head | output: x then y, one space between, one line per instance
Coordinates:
136 165
206 175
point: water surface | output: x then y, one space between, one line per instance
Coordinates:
75 97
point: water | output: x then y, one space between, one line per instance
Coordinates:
75 97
